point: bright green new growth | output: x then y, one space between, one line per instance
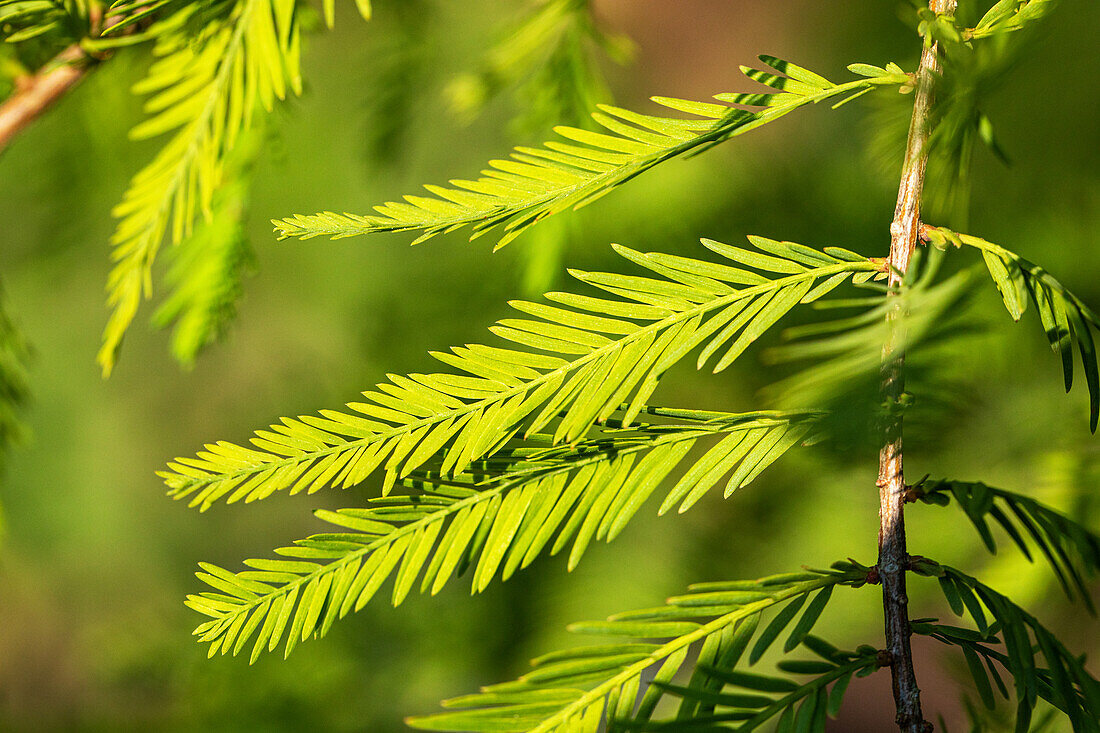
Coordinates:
497 516
552 442
208 88
538 182
205 275
579 361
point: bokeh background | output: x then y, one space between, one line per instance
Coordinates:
95 560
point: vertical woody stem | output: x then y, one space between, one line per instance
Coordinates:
893 558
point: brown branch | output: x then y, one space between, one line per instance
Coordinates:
36 93
893 557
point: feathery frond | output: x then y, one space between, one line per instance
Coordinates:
802 705
539 182
575 690
206 87
497 518
217 64
982 661
207 267
1065 682
1065 318
1072 550
583 376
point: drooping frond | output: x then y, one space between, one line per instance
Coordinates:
207 267
497 518
206 87
745 701
216 65
1067 321
1064 682
539 182
982 661
566 366
547 62
576 690
1072 550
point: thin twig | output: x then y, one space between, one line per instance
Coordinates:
36 93
893 557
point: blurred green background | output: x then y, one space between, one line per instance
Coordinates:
95 561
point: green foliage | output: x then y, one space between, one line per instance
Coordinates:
1072 550
583 377
1065 318
845 353
538 182
217 66
497 516
574 689
1064 682
206 88
53 21
976 61
1007 16
550 442
805 705
205 274
548 66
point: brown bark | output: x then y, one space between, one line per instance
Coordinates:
35 94
893 556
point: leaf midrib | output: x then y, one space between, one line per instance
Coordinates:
443 512
201 123
865 265
723 126
603 689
